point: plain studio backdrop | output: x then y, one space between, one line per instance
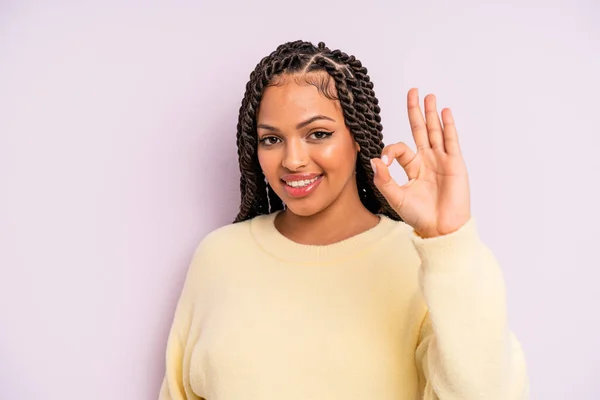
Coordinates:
117 156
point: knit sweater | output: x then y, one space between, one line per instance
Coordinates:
383 315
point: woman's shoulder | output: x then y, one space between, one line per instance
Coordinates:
235 235
226 235
217 247
399 229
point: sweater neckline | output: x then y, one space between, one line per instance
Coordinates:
273 242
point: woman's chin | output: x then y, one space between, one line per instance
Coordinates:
304 210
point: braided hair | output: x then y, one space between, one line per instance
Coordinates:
361 114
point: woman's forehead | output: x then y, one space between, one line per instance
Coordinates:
297 96
291 102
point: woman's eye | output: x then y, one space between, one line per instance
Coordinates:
269 140
321 135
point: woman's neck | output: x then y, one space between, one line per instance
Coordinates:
344 218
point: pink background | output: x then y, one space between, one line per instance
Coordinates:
117 155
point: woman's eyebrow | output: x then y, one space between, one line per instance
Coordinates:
313 119
300 125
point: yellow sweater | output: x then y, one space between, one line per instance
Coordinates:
384 315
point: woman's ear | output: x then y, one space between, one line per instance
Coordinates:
357 146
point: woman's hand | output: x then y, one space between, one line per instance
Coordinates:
436 200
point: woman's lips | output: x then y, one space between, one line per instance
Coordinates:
302 191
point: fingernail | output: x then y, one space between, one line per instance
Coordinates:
373 166
385 159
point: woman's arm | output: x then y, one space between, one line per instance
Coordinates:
466 350
176 381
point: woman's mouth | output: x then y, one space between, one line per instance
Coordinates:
302 188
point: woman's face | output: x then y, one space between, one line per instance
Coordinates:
304 147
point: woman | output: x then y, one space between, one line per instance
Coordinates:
334 282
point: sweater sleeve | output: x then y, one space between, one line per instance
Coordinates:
176 383
465 349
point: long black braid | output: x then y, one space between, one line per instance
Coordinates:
361 113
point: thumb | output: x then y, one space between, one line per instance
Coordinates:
381 174
393 193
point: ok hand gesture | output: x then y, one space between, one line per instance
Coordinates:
436 200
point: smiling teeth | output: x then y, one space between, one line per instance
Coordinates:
303 183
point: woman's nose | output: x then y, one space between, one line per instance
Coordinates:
296 156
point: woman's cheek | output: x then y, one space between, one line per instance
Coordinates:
268 164
329 152
336 155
